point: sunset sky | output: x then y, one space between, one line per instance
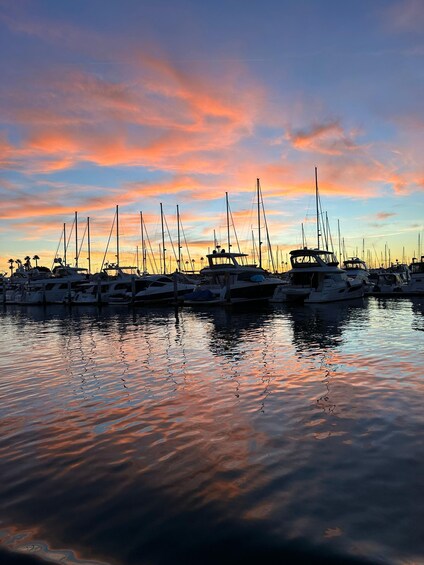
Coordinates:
141 102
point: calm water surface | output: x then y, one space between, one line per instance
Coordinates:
284 435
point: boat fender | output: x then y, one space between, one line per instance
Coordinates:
257 278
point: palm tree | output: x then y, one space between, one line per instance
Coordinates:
36 258
11 261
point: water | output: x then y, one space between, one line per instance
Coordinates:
281 435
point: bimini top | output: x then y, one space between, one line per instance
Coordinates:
312 258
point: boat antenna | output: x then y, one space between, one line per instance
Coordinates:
215 241
303 237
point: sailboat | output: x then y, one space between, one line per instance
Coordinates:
114 280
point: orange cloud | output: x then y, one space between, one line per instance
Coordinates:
327 138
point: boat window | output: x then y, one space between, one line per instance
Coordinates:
165 279
304 260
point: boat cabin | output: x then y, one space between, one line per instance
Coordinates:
312 258
417 267
223 259
354 263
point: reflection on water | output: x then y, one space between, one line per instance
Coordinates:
287 434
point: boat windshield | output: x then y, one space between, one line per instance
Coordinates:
311 259
354 265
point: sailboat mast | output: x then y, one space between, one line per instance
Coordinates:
89 245
228 222
143 250
317 204
64 243
253 247
117 235
259 224
163 240
179 238
76 239
340 248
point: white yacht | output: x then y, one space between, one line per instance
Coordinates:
415 286
150 289
227 281
55 288
112 282
386 283
357 269
315 278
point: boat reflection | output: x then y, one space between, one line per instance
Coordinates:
322 326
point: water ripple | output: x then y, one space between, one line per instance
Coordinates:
293 433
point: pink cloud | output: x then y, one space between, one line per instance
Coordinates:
384 215
405 16
327 138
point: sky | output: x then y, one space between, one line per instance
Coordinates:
137 103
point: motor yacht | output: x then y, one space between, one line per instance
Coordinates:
113 281
227 280
415 286
315 277
55 288
151 289
357 270
386 283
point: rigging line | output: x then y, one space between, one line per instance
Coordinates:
267 232
70 234
58 246
186 244
234 228
170 240
323 225
153 264
329 233
108 241
82 241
